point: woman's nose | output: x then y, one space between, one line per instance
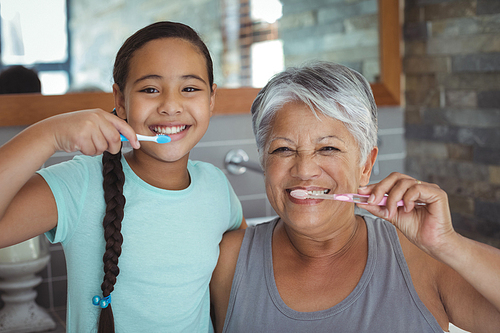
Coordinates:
305 167
170 104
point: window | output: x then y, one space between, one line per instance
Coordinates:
252 51
258 40
34 33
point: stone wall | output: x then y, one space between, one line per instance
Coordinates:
342 31
452 69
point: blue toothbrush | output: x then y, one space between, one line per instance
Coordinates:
157 138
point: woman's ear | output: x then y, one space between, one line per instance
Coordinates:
119 102
367 167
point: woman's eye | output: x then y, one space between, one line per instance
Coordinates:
150 90
328 150
282 151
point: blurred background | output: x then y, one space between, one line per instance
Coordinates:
446 129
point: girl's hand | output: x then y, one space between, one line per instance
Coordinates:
428 226
90 131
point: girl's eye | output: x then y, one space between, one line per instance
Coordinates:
190 89
150 90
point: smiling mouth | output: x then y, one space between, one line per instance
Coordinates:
313 192
168 130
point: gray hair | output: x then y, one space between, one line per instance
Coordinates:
331 89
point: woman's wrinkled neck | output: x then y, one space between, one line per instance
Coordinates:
332 244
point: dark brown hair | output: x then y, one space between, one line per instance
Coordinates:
113 176
155 31
19 80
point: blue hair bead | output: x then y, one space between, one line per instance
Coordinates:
96 300
105 302
101 302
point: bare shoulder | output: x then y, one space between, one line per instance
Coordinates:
416 258
229 250
232 239
222 277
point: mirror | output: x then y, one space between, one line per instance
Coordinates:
250 40
105 40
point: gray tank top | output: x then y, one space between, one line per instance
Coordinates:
383 301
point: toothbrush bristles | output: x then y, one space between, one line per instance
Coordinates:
163 138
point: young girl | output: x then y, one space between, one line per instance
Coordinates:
176 209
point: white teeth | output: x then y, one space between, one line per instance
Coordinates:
317 192
169 130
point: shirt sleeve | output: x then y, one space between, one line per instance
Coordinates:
235 207
67 181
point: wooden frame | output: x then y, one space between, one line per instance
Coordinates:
388 90
26 109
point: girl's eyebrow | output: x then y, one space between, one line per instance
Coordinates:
193 76
148 77
159 77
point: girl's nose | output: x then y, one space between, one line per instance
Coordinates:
170 105
305 167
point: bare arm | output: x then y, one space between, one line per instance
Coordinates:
470 286
469 281
32 212
222 277
27 207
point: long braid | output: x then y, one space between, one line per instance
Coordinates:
113 180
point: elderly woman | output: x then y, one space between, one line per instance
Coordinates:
319 267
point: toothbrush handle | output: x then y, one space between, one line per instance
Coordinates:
356 198
146 138
383 202
140 138
365 197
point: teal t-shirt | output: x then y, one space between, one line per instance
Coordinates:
170 246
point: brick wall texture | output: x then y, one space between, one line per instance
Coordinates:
341 31
452 71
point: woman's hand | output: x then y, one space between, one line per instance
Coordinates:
430 228
424 219
90 131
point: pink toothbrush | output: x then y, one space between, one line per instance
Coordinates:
348 197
